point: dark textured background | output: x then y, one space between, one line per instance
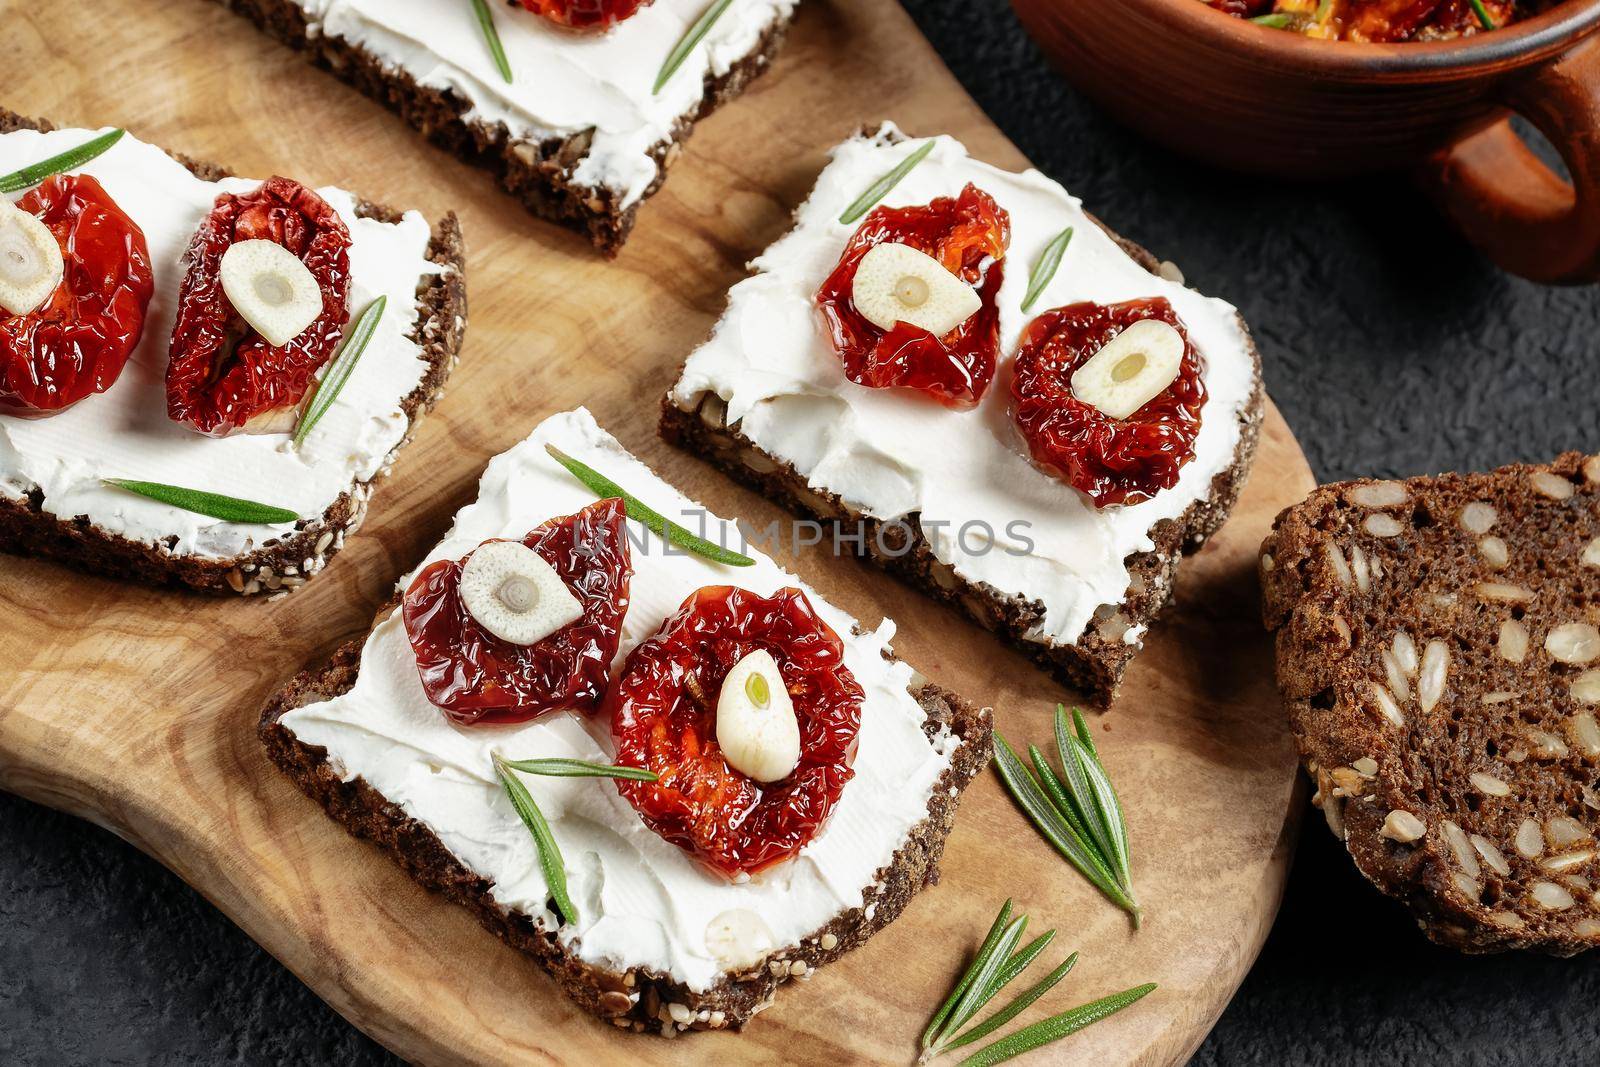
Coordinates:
1390 348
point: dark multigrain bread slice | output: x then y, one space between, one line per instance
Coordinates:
1095 664
537 173
285 562
637 999
1438 653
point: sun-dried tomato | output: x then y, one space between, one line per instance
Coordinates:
475 677
223 376
665 722
969 234
586 14
1112 461
76 343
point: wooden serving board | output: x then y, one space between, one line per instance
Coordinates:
137 708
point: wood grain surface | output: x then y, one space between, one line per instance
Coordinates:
136 708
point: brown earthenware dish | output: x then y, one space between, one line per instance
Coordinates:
1256 99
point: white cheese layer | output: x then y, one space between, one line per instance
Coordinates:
890 453
641 902
565 82
125 432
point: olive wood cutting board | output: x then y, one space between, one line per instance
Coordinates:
136 708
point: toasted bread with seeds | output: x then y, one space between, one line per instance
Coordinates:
1438 651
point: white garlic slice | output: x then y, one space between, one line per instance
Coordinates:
756 725
270 289
739 938
31 266
897 283
1131 369
513 593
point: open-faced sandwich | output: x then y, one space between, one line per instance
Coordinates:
1438 647
578 106
201 376
671 773
1000 400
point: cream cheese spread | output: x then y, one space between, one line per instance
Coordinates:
891 453
565 83
641 902
125 432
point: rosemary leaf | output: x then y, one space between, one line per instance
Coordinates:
577 768
1083 730
979 992
555 871
1016 1007
642 513
1026 792
1483 14
226 508
1020 960
326 391
1277 20
1076 778
492 36
1054 1028
1058 795
1045 269
881 187
692 37
33 174
1108 809
984 951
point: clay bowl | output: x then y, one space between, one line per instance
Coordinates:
1261 100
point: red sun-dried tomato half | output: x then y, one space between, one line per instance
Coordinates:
663 721
223 376
1112 461
969 235
475 677
76 343
586 14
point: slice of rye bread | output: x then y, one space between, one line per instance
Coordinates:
639 998
1096 662
537 173
1437 652
285 562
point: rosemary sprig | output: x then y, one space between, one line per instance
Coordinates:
217 506
550 861
1045 269
577 768
492 36
33 174
990 971
1076 811
640 512
326 391
1483 14
692 37
881 187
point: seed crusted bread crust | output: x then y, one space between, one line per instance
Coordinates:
538 173
638 999
1096 662
1438 655
288 562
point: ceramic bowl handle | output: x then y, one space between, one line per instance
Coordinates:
1506 201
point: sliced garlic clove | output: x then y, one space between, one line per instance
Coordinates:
271 290
513 593
756 725
31 266
1131 369
897 283
739 938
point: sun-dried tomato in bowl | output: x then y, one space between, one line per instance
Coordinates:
77 343
1383 21
1110 460
223 376
968 234
475 677
585 14
663 718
